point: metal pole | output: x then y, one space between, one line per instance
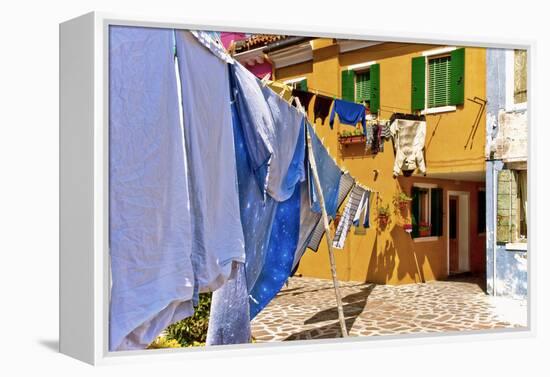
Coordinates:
317 183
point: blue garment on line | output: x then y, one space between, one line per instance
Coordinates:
256 119
149 220
329 176
229 321
348 113
217 236
288 144
283 239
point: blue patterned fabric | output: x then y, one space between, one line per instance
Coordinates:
329 175
283 239
229 321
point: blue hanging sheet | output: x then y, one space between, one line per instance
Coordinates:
150 224
217 237
283 240
329 176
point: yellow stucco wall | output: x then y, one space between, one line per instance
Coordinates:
454 143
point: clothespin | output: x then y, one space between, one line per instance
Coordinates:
265 79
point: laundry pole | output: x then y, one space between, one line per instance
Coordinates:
317 183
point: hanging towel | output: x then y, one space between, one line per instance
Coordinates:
369 136
360 209
349 113
409 136
149 221
366 221
211 163
304 97
321 107
229 321
347 217
346 184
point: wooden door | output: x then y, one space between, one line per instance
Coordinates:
453 234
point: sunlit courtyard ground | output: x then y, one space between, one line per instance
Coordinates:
306 309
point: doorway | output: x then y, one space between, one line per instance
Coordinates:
458 242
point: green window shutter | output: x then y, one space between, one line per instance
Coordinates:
506 206
439 81
457 77
481 211
415 211
348 85
437 212
303 85
418 83
374 88
362 86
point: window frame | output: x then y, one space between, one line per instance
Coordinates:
510 80
357 70
431 54
428 187
293 83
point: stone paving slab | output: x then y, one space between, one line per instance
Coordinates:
306 309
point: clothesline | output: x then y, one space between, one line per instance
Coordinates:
334 96
301 109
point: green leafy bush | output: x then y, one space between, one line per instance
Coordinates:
163 342
192 331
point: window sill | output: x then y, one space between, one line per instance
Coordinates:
516 246
426 239
437 110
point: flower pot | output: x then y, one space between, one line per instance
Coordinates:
408 228
383 220
424 232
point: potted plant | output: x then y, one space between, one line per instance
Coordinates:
351 137
408 227
403 200
383 215
424 229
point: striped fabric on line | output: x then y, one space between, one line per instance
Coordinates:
347 217
346 184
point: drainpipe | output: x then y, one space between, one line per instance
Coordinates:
495 191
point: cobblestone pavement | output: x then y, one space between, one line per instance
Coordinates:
306 309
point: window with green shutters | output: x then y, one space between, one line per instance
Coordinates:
439 81
362 86
427 212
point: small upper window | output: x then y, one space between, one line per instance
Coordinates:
362 87
520 76
439 81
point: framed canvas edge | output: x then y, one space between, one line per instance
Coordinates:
101 283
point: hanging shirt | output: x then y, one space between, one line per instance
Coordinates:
304 97
217 238
346 184
348 113
150 239
321 107
349 213
409 136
